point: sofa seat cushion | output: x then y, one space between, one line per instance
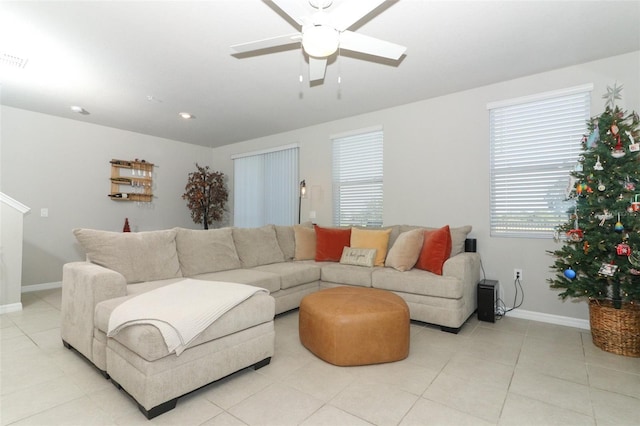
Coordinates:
263 279
418 282
147 341
292 273
347 274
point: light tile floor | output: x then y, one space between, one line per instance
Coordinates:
513 372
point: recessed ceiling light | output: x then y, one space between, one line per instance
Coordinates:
79 110
186 115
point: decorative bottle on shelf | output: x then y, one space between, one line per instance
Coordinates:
126 225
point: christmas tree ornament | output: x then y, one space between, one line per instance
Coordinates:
618 227
618 150
614 129
608 269
635 204
598 165
585 247
628 185
633 146
612 94
576 234
604 216
601 186
570 273
623 249
593 138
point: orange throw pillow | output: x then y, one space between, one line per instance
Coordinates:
435 250
330 242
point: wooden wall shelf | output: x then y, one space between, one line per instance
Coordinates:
131 181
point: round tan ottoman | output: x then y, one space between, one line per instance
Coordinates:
355 325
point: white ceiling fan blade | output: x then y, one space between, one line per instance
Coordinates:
282 40
372 46
350 12
293 9
317 68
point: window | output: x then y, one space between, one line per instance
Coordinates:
266 187
535 143
357 178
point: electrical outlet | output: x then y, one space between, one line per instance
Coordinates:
517 274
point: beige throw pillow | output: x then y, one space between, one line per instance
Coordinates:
404 253
305 238
138 256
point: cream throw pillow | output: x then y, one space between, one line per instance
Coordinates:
404 253
305 238
375 239
358 256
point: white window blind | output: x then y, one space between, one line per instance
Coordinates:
357 179
534 146
266 188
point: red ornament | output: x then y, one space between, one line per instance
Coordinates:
126 225
623 249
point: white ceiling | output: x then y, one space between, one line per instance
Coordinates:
109 57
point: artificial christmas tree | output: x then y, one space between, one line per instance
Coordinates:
600 256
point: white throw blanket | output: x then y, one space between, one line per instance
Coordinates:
181 311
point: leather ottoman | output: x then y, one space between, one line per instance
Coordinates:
355 325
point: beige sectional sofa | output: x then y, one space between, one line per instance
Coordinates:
120 266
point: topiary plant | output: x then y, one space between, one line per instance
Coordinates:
206 195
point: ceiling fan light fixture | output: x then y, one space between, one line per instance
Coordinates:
320 41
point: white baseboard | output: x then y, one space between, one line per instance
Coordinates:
43 286
12 307
517 313
550 318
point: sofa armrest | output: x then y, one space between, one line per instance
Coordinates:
84 285
466 267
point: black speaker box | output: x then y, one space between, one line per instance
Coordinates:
487 300
470 245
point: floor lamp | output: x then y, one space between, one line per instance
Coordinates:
301 195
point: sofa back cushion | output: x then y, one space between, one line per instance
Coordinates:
286 241
138 256
257 246
330 242
203 251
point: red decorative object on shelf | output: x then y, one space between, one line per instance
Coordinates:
126 225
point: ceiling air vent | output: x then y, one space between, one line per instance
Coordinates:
12 60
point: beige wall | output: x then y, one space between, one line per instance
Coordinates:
63 165
436 165
436 173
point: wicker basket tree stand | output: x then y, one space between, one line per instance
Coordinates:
615 330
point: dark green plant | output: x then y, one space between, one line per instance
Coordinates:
605 224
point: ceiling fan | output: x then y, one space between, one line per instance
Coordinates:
322 33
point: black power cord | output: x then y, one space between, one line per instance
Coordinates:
501 311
